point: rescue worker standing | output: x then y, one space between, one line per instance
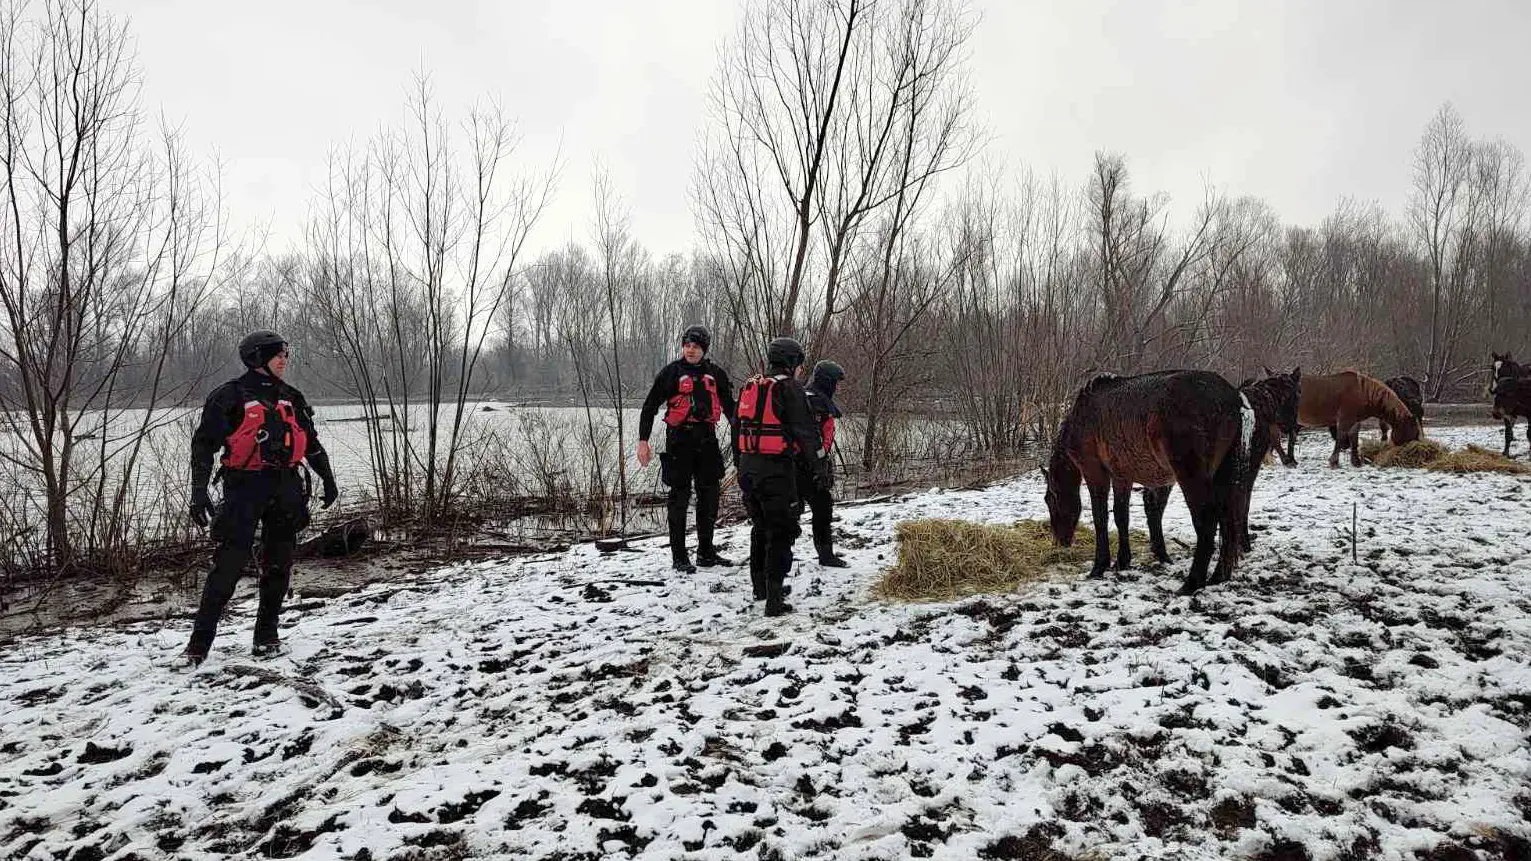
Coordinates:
776 440
695 394
822 407
265 429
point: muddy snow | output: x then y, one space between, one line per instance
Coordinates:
582 706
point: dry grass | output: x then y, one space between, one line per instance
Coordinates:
1415 454
940 560
1477 459
1428 454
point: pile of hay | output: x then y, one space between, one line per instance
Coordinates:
1429 454
1478 459
1415 454
940 560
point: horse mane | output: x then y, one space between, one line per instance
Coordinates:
1380 396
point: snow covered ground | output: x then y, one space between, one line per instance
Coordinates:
582 706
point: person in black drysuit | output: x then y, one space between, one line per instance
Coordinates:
820 394
776 439
695 393
265 429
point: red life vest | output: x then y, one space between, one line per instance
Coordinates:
827 431
760 428
268 437
679 411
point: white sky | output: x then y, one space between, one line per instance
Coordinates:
1300 102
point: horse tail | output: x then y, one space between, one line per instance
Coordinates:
1230 490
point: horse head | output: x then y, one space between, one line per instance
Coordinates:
1064 504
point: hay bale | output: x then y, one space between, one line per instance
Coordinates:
1478 459
1417 453
940 560
1429 454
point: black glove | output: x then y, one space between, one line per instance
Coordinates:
331 493
201 508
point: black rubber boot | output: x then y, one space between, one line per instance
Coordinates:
827 557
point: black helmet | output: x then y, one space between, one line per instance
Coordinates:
784 353
828 369
697 334
259 347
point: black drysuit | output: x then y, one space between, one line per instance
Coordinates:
817 494
273 497
691 456
769 485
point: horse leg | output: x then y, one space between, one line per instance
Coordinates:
1098 494
1155 499
1355 444
1289 458
1121 510
1509 432
1199 495
1383 429
1339 446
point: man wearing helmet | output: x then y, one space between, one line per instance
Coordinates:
695 393
265 429
777 442
822 407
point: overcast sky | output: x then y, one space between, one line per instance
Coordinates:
1300 102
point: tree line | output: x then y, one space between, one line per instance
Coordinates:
844 192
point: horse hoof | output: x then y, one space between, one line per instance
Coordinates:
1189 588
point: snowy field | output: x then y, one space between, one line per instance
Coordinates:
581 707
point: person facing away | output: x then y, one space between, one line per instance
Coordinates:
820 394
777 441
265 429
694 393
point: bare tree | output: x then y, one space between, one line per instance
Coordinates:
825 113
419 249
111 240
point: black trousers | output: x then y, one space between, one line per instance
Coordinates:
692 459
768 484
822 503
274 499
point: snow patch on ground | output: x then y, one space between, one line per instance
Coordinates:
1330 702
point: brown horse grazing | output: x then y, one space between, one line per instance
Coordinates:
1156 430
1274 400
1344 400
1410 392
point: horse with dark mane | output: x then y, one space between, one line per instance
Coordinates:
1156 430
1274 400
1509 388
1343 401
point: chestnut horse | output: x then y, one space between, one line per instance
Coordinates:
1410 392
1274 400
1344 400
1157 430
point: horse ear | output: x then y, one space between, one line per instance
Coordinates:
1297 372
1268 371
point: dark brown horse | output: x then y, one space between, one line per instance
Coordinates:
1156 430
1343 401
1274 401
1512 400
1507 386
